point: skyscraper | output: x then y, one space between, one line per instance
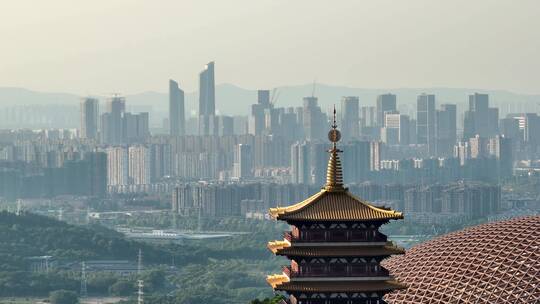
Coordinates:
176 110
207 100
314 120
446 129
425 122
263 98
385 103
89 118
480 118
350 117
111 122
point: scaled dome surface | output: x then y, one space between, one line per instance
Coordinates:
497 262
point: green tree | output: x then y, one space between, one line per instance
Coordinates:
121 288
63 297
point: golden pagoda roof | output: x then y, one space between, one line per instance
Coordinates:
332 205
285 248
282 282
334 202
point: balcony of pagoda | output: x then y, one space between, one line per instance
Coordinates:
334 271
335 236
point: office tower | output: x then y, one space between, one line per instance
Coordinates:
97 163
225 125
493 121
425 122
509 127
480 118
314 120
177 123
300 163
263 98
243 161
350 117
117 166
257 119
89 118
139 171
446 129
135 127
532 131
396 130
288 124
111 122
385 103
207 100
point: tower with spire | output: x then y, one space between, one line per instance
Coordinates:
334 247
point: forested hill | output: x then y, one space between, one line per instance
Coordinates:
30 235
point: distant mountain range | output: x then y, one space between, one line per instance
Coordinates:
231 99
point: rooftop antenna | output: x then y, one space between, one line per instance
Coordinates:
84 290
140 293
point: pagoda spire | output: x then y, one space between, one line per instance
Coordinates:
334 173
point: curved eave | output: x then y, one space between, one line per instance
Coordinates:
327 205
283 283
384 251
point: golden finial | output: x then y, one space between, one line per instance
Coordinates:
334 174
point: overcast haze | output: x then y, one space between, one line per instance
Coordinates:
99 47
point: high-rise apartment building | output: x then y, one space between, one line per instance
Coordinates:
139 171
89 118
117 166
243 161
425 122
207 100
350 117
300 163
177 123
385 103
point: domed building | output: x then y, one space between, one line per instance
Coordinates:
497 262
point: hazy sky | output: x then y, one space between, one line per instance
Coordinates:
129 46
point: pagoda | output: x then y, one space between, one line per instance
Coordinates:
334 246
